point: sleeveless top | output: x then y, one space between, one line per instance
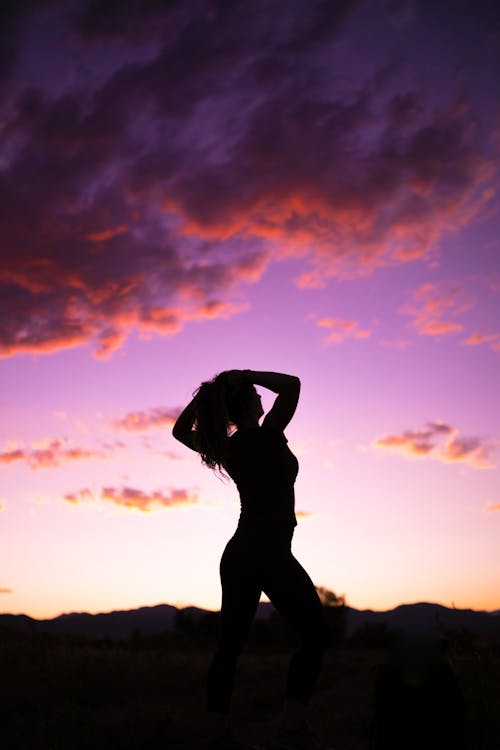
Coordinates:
264 470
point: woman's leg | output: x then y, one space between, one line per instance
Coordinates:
292 592
240 597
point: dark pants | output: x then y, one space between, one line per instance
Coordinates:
252 562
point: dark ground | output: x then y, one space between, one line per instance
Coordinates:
70 694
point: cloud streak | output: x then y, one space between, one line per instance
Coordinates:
435 306
135 499
51 453
439 441
143 421
341 329
477 338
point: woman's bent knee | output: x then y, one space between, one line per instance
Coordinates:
317 638
322 635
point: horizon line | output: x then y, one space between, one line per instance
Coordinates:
206 609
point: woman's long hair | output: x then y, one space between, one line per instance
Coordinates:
219 405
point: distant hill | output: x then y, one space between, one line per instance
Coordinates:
155 620
423 616
118 624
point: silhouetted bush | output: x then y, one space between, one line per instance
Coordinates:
196 626
373 635
459 640
418 699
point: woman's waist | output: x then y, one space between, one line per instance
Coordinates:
262 531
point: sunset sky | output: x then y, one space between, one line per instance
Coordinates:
305 187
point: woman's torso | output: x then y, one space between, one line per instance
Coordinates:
264 470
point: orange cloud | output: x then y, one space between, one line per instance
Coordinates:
131 497
106 234
492 507
142 421
341 329
6 591
439 441
477 338
471 450
383 206
434 306
302 514
50 453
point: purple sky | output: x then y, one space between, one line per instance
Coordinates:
305 187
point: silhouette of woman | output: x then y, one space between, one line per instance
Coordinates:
258 557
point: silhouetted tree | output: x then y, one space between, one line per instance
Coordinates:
335 611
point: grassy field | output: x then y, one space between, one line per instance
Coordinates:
65 694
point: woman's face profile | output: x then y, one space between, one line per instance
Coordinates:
256 404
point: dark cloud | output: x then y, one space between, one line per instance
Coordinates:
131 497
440 441
14 16
141 187
133 20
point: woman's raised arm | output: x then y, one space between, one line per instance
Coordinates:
288 389
183 427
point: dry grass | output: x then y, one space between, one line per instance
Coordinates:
70 694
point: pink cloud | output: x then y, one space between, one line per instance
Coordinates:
477 338
471 450
434 307
341 329
142 421
439 441
51 453
133 498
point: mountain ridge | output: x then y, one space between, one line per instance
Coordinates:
160 618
